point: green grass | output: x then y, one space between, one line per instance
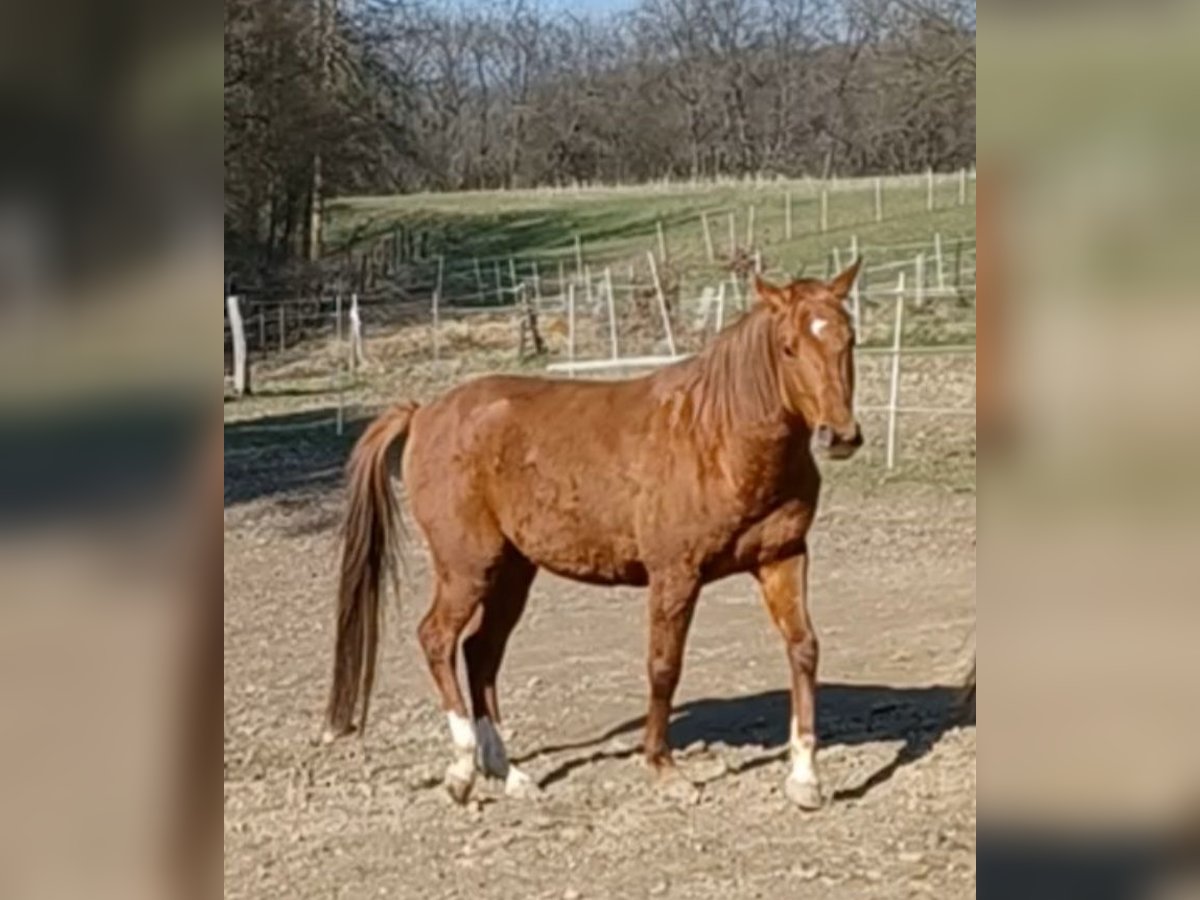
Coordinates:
477 233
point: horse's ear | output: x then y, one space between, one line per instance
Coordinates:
773 296
841 284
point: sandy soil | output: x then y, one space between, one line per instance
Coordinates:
893 587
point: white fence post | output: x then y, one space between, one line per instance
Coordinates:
662 304
612 308
824 209
937 258
571 325
787 216
708 243
237 332
750 227
929 189
878 199
435 303
855 298
962 187
662 241
720 306
357 356
894 396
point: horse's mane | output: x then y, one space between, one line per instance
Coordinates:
733 382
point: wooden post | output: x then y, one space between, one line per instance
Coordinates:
894 394
441 263
929 189
662 241
537 283
708 244
512 278
531 322
958 263
662 305
499 283
282 326
758 262
787 215
571 324
720 306
587 288
479 281
337 315
737 292
612 311
578 256
237 331
750 227
732 235
824 210
878 199
262 330
919 278
962 187
837 261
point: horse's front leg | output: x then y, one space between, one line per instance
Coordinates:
672 602
784 589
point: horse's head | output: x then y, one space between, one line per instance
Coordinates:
816 353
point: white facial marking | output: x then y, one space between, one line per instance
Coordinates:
818 325
804 755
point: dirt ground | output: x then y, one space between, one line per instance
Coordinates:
893 595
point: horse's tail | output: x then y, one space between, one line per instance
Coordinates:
369 553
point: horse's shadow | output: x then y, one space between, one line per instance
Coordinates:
847 714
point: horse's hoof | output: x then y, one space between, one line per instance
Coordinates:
330 734
458 784
674 784
520 786
805 794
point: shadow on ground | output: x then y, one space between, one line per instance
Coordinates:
847 714
287 456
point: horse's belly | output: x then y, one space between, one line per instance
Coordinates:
586 542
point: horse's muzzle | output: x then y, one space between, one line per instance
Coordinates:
837 443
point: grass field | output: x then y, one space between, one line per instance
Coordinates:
618 225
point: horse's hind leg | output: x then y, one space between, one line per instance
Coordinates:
483 652
456 598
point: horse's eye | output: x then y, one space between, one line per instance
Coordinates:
788 350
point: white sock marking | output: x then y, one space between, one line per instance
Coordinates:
804 755
462 733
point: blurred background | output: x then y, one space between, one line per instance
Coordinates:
109 249
110 198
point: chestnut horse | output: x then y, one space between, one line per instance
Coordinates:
673 480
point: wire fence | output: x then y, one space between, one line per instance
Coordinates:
922 305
